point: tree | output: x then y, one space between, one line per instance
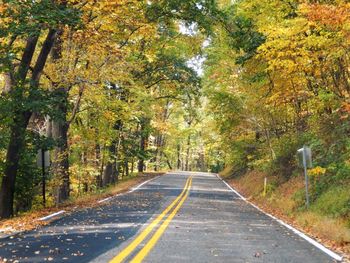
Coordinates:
25 22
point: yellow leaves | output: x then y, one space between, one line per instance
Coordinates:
285 48
266 13
317 171
151 57
109 116
161 126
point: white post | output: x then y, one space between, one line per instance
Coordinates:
265 186
306 178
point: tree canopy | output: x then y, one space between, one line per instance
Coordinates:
111 88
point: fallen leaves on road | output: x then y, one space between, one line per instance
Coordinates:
29 220
343 249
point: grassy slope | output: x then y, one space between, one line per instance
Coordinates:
282 201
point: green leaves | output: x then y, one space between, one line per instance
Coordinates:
204 12
27 18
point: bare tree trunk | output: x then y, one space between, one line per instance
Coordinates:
126 165
141 163
60 165
188 152
110 171
178 156
99 165
8 83
157 157
143 142
268 139
167 161
132 165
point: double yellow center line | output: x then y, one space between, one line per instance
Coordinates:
177 203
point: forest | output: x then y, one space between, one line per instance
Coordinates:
108 90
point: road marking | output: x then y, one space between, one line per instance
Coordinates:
101 201
128 192
106 199
153 241
142 184
294 230
130 248
52 215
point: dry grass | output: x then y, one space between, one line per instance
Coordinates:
226 173
29 220
326 227
332 232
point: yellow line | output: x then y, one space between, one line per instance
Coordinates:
153 241
126 251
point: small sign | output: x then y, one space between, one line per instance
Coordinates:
305 160
39 158
305 157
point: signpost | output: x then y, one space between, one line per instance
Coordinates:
265 186
305 160
43 161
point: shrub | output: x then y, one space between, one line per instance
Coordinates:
335 202
285 162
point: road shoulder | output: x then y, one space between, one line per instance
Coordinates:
336 254
36 219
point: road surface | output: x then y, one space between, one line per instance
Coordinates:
179 217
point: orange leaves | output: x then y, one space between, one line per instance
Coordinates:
328 15
345 111
346 107
2 7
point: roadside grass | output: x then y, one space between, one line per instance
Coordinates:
29 220
327 228
321 221
334 202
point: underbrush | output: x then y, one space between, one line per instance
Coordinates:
334 202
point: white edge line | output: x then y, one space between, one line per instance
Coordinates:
299 233
105 200
142 184
130 191
101 201
2 230
52 215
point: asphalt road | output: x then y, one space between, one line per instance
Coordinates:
180 217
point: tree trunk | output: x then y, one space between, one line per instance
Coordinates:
143 142
110 171
168 161
141 163
60 165
132 165
126 165
99 165
188 152
59 132
22 117
15 147
158 152
179 157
